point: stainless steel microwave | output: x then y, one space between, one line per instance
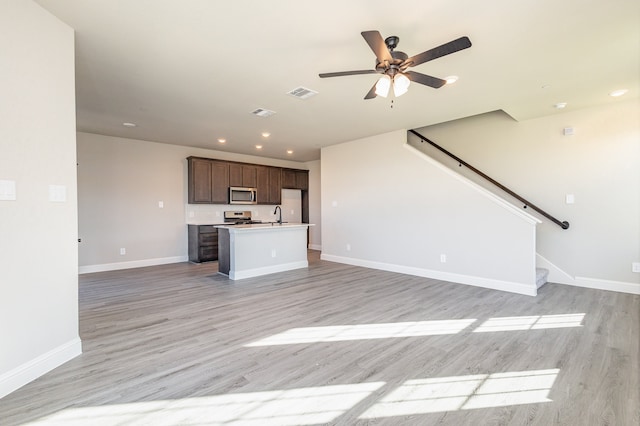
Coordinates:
238 195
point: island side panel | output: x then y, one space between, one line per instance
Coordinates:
224 251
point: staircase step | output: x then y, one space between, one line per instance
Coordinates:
541 277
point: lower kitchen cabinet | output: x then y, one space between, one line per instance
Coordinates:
203 243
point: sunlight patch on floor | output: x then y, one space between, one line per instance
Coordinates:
434 395
302 406
535 322
364 331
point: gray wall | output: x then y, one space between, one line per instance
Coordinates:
120 184
38 243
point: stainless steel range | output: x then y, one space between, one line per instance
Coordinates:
239 218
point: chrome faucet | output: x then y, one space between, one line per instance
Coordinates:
279 217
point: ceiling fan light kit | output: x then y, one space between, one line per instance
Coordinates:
393 64
382 86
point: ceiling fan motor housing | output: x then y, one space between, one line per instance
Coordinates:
394 66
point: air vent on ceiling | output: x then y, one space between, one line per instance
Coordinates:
302 93
261 112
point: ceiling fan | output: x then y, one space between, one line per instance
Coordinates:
393 64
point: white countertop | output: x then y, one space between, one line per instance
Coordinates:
264 226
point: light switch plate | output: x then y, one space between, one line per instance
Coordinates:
57 193
570 199
7 190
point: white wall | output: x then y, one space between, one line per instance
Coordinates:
394 209
599 165
315 212
38 243
120 184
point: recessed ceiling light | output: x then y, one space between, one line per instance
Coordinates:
289 151
222 140
560 105
451 79
266 134
258 146
129 124
617 93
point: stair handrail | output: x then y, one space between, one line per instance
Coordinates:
461 162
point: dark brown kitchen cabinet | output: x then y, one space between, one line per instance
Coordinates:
208 181
288 178
268 185
203 243
275 185
243 175
262 177
302 179
199 177
295 179
220 182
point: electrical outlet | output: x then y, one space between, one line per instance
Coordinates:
348 247
160 204
123 251
273 252
635 267
443 258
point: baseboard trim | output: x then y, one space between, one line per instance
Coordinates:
31 370
558 276
315 247
511 287
255 272
88 269
598 284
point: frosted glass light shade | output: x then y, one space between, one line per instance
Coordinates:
383 85
400 84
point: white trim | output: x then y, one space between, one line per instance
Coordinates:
619 286
512 287
250 273
315 247
31 370
558 276
131 264
488 194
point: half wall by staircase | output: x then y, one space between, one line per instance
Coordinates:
388 206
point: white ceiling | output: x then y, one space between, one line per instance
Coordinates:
191 71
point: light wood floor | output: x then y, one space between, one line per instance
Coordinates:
169 345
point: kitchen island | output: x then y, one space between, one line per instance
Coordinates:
246 251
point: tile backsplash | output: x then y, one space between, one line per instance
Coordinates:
211 214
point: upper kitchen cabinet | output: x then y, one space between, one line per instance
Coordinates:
208 181
269 185
243 175
295 179
262 177
275 185
219 182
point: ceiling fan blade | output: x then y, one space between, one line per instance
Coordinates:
377 44
427 80
343 73
437 52
372 92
